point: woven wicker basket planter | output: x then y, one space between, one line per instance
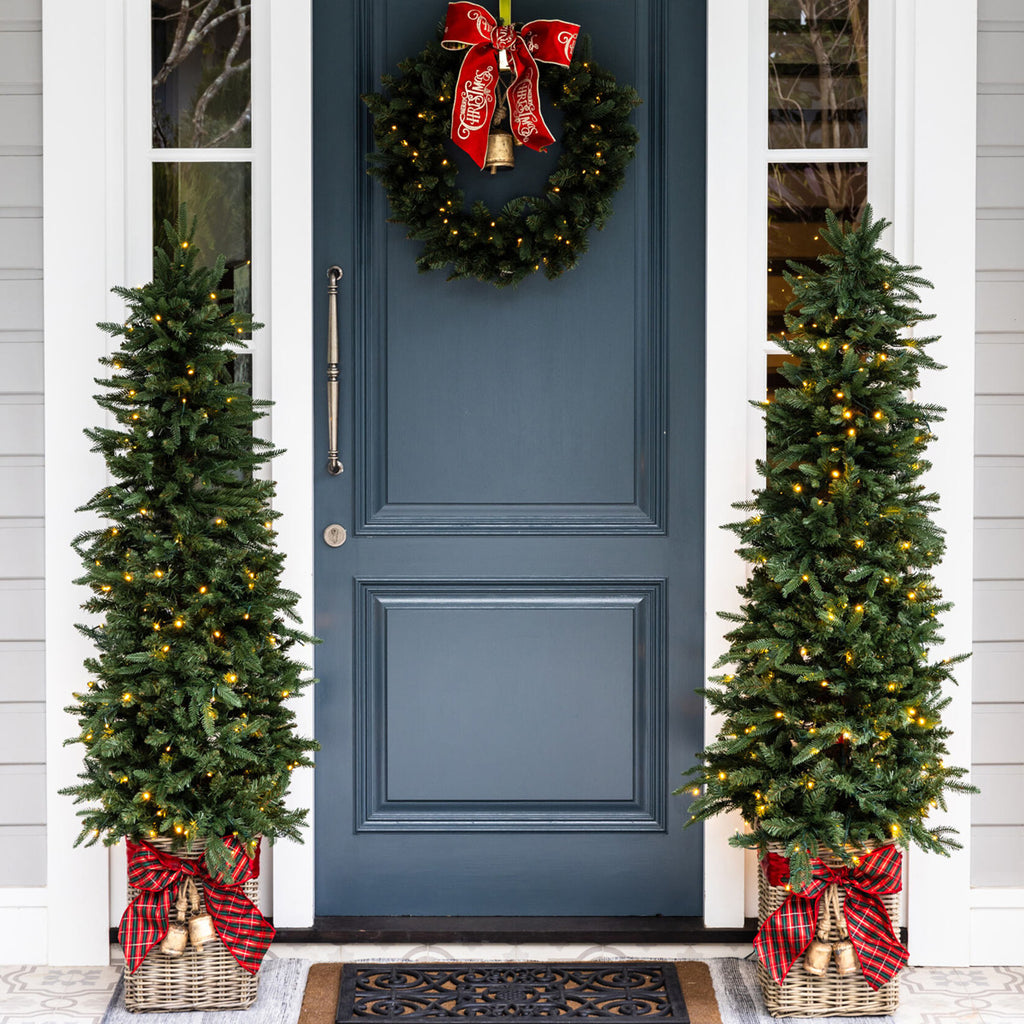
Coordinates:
830 995
211 980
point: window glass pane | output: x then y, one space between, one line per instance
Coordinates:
201 92
817 73
798 195
219 197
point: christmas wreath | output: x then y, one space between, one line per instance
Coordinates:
415 163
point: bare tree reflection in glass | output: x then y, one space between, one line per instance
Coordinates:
201 73
817 74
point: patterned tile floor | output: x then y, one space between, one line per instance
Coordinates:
930 995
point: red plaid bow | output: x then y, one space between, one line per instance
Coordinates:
471 25
789 931
240 926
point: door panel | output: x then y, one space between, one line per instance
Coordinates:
512 633
504 706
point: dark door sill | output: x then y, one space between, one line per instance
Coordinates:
598 930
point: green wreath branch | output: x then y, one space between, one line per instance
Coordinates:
547 232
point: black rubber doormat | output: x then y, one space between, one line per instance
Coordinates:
485 992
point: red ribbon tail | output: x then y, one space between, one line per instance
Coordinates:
527 121
473 106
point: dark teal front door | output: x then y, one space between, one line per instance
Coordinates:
513 629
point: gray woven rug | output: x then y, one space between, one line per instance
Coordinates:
740 1001
278 1001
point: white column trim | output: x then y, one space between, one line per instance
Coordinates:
291 319
938 233
730 218
83 175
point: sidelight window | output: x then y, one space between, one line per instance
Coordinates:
822 134
203 123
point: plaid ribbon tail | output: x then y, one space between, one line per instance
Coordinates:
245 932
144 925
786 933
882 956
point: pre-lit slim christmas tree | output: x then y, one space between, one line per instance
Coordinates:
184 717
832 732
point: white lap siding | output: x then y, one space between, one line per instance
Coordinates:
22 719
998 812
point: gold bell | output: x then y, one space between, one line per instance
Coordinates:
817 956
500 151
200 930
176 939
846 957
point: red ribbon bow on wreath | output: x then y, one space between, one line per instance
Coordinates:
471 25
788 932
240 926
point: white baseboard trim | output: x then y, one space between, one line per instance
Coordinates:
23 934
997 936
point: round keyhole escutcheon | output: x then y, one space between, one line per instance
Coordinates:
335 535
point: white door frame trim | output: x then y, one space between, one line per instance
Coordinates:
735 252
292 427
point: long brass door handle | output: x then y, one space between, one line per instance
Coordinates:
334 466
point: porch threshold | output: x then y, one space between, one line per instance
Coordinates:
599 930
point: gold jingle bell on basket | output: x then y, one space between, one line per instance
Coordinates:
176 939
846 957
817 955
200 930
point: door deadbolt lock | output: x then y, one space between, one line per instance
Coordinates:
335 535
